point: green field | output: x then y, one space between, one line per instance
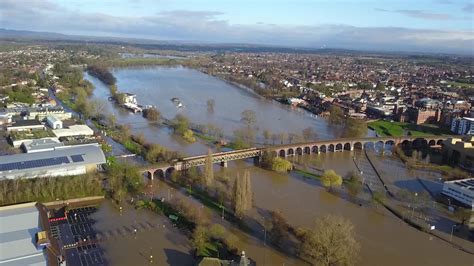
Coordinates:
396 129
461 84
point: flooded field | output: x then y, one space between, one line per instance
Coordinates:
154 236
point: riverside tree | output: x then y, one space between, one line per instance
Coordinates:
242 194
152 114
353 184
355 128
331 241
336 115
330 179
209 170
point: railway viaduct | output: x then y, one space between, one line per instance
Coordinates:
285 150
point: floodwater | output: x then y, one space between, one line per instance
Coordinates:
385 240
157 85
155 237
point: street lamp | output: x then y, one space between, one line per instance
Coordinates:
452 231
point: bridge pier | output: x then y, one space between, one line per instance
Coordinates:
224 163
256 160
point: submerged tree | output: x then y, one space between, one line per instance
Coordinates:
249 117
353 184
210 105
152 114
330 179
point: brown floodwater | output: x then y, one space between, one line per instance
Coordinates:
384 239
155 237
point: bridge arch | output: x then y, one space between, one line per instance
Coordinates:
159 173
420 142
282 153
358 145
299 151
323 148
439 142
148 174
331 147
390 142
338 147
380 144
307 150
291 151
315 149
347 146
406 143
432 142
169 171
369 145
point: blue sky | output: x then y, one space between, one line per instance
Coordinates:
409 25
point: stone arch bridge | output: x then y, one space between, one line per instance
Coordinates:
285 150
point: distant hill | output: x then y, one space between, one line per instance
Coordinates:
185 46
5 33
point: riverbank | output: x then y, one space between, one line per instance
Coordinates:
397 129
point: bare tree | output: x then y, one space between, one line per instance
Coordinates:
309 134
209 170
249 117
331 242
267 135
242 198
210 105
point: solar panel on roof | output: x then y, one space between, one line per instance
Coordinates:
34 163
77 158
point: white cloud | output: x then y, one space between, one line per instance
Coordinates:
208 26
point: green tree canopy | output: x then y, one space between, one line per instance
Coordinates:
330 179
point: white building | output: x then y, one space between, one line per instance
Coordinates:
25 125
130 98
5 118
39 145
463 126
460 190
65 161
74 131
54 122
19 224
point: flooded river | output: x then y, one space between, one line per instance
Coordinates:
157 85
385 240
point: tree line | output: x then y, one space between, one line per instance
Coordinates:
49 188
102 73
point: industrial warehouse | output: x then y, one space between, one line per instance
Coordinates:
62 161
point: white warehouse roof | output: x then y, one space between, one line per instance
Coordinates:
19 224
74 130
25 164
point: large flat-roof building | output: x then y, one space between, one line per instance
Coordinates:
74 131
460 151
460 190
18 227
24 125
463 126
62 161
